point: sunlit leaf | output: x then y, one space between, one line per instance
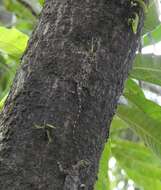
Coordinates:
12 41
103 180
41 2
2 102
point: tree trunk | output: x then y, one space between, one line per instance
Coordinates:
58 113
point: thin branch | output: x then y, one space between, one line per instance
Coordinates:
29 7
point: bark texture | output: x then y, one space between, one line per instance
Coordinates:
71 77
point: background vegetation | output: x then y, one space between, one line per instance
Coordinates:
132 157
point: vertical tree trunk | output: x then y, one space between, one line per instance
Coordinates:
58 113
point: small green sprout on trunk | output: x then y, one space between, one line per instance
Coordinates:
48 130
134 20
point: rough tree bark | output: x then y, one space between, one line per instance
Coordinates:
71 77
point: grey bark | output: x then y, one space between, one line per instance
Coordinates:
70 79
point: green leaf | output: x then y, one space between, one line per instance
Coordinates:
132 88
41 2
147 68
150 108
152 37
103 181
134 23
144 116
25 20
140 164
152 18
145 183
117 126
12 41
2 102
145 124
